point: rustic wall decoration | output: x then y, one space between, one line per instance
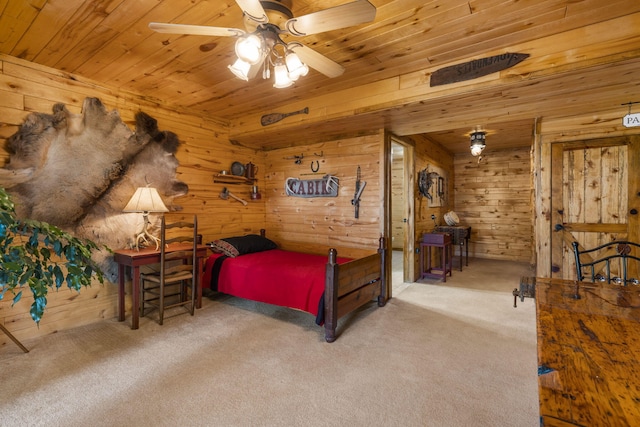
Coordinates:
77 171
432 184
269 119
476 68
327 186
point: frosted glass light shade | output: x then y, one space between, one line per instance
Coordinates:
296 67
240 69
281 75
250 48
476 150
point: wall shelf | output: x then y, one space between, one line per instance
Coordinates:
232 179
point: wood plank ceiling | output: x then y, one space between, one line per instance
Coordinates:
109 41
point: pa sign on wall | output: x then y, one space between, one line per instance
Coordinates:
631 120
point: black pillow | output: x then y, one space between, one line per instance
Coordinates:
235 246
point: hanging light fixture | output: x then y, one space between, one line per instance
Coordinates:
264 48
478 142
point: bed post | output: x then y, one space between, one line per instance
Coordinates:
331 297
382 250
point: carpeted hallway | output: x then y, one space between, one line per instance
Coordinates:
439 354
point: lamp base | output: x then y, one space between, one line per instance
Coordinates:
144 238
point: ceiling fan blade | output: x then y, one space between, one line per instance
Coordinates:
198 30
346 15
253 10
316 60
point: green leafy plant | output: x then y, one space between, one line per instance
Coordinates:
41 256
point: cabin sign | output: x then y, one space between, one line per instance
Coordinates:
476 68
325 187
631 120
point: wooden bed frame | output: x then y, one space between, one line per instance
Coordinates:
350 285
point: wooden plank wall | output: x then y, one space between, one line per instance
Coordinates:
317 224
26 87
494 198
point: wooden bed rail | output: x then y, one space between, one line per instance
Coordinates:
352 284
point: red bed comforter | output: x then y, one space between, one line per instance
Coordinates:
276 276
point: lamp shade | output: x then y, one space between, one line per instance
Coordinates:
145 199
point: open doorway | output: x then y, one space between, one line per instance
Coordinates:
401 213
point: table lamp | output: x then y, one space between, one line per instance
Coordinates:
145 200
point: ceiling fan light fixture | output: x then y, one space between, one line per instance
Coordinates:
281 75
295 66
250 48
240 69
265 20
478 142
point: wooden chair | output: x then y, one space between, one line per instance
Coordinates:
614 262
174 285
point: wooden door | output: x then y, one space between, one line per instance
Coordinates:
595 196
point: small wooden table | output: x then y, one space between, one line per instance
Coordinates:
134 259
436 240
588 353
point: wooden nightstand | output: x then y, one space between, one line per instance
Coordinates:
436 240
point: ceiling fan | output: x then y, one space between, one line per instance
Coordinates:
260 47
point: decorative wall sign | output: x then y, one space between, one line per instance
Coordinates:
325 187
476 68
631 120
269 119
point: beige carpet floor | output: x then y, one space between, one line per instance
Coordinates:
438 354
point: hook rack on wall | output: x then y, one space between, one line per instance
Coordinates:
298 159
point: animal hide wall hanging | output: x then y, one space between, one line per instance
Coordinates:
77 171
